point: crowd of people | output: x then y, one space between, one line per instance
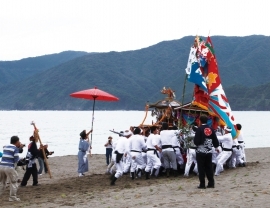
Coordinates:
11 162
151 152
167 151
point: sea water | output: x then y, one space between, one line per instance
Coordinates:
61 129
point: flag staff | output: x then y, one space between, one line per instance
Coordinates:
183 96
36 135
184 88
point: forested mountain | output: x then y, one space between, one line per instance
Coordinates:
254 98
12 71
138 76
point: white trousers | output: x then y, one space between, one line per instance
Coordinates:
236 157
137 161
144 155
152 161
243 156
191 158
215 154
119 169
161 158
12 175
179 157
221 159
169 159
127 163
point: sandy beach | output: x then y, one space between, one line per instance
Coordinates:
241 187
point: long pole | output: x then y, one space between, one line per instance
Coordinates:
93 118
183 96
36 134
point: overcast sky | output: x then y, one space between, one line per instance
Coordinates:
34 28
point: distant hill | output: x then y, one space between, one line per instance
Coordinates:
254 98
138 76
12 71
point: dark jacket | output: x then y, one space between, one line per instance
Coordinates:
205 138
41 153
32 148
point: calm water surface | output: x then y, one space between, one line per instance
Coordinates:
60 129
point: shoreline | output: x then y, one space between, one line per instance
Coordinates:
241 187
52 156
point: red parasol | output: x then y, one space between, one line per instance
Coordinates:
94 94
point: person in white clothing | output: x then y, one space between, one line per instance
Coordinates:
227 143
146 133
127 157
161 169
121 149
219 132
136 146
169 156
191 152
236 158
176 147
241 143
153 160
111 167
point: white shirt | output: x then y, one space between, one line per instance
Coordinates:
240 137
166 137
145 139
235 142
114 145
110 145
137 143
175 141
121 145
158 141
152 141
226 140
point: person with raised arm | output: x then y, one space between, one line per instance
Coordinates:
31 167
84 147
109 149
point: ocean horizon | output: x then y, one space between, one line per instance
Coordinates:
61 129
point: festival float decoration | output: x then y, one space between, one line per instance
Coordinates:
202 70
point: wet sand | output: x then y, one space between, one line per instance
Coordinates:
241 187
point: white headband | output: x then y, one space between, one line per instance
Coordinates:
127 133
228 129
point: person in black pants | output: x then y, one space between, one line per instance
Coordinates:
108 146
31 168
204 139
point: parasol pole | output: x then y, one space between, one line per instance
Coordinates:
36 135
95 97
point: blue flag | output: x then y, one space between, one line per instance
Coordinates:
193 70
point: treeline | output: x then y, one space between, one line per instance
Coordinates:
44 83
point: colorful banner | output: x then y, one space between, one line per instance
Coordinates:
193 70
205 73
